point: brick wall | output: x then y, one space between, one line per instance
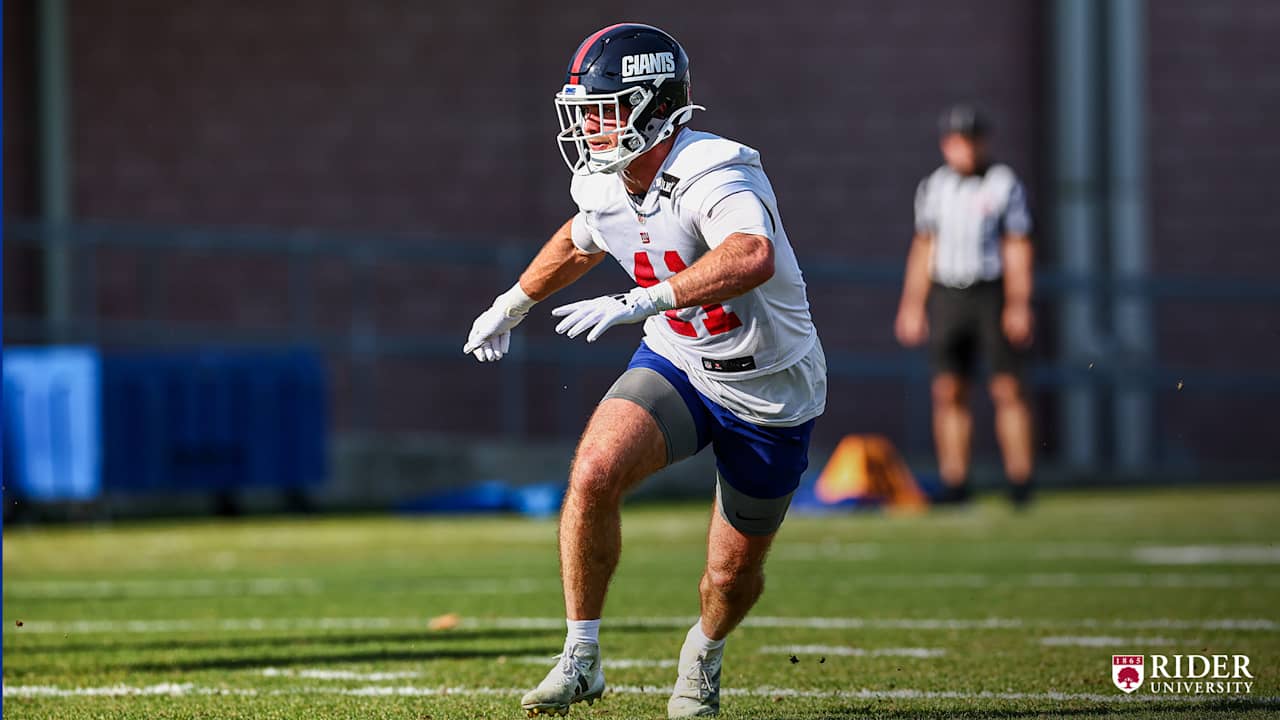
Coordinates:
1214 193
21 264
411 118
403 119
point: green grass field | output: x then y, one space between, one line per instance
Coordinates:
974 613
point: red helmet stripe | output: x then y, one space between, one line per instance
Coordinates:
586 45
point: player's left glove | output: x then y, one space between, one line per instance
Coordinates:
490 335
600 314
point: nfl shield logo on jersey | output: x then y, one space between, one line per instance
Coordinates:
1127 672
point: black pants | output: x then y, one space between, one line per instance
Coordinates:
962 320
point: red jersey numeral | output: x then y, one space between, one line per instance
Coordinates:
717 321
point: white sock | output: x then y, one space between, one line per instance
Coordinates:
700 639
582 632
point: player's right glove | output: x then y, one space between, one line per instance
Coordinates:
600 314
490 336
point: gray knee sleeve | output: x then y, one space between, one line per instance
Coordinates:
648 389
748 515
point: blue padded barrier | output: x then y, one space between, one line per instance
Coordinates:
52 424
214 420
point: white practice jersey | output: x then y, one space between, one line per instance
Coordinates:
758 354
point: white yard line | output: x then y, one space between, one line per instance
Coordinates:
547 660
848 623
926 580
325 674
220 625
1145 580
845 650
91 589
171 689
95 589
1076 550
554 623
1258 624
1102 641
1207 554
827 551
1056 580
183 689
610 663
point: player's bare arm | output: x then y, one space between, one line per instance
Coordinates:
912 327
736 266
557 265
1017 319
739 264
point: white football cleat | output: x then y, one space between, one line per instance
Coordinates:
697 691
577 676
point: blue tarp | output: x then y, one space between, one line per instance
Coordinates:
52 430
77 423
214 420
488 496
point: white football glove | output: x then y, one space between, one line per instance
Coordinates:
600 314
490 336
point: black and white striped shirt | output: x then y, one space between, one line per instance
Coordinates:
968 215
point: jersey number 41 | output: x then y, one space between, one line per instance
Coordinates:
716 320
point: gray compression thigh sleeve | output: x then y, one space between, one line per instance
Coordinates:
748 515
648 389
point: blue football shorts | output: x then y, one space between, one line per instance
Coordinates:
759 467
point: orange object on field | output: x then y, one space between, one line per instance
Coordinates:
448 621
868 467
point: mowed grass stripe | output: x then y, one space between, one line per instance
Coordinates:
100 589
985 586
551 623
85 589
180 689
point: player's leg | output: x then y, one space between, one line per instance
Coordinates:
650 418
952 354
643 424
621 446
731 584
759 470
734 577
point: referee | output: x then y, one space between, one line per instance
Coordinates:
968 289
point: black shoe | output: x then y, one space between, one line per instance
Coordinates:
954 494
1020 495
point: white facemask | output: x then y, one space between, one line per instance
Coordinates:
573 104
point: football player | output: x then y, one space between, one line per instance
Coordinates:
730 357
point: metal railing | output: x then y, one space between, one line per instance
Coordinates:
363 343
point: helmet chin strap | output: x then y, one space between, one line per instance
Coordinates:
678 118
